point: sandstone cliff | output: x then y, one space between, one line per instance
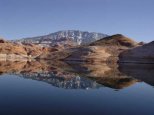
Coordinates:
115 40
142 54
103 50
15 51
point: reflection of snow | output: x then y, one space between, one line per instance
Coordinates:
74 82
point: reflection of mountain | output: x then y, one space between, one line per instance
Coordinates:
71 75
49 72
107 75
143 72
75 82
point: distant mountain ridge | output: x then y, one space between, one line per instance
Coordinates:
64 37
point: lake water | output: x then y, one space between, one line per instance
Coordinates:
58 88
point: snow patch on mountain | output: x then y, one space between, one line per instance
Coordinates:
75 36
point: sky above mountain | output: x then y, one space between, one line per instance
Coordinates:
27 18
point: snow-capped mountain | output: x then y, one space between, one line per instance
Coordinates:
65 37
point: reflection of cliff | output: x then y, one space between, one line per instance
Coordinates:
105 74
116 83
69 75
30 67
50 72
143 72
10 67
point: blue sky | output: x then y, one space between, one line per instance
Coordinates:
27 18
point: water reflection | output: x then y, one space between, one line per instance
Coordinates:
143 72
106 74
70 75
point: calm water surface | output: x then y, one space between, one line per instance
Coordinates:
75 89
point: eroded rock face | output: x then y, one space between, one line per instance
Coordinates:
142 54
91 53
115 40
15 51
83 54
11 51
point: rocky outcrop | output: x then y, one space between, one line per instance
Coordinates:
115 40
142 54
103 50
15 51
84 54
89 54
11 51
